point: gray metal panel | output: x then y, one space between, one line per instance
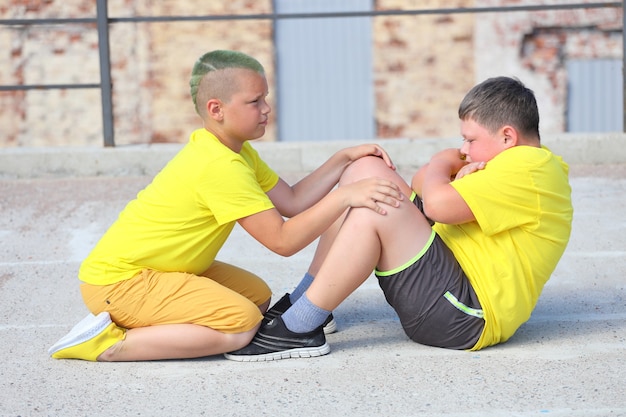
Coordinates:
595 89
324 79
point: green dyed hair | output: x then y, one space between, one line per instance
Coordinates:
215 61
501 101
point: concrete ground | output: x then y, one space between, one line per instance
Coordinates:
569 359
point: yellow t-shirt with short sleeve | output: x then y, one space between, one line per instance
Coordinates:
181 220
523 210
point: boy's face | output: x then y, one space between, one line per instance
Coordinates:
479 144
246 113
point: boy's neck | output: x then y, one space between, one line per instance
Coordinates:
534 142
232 144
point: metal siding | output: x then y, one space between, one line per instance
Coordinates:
595 96
325 82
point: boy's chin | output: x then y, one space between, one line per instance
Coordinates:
258 135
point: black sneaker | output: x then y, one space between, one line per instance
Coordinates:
277 309
275 341
282 305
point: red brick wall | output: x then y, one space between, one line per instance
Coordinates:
423 65
535 47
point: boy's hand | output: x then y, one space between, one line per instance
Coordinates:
469 168
451 160
357 152
370 192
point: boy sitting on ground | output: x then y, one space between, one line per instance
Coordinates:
502 217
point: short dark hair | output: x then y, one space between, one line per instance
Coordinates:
502 101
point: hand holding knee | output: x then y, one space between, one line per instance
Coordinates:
373 193
357 152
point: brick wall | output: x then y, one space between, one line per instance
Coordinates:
48 55
535 47
423 65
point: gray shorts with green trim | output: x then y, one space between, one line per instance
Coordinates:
434 300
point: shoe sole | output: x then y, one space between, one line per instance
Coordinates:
308 352
85 330
330 327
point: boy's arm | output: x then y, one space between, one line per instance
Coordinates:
291 200
418 180
442 203
286 237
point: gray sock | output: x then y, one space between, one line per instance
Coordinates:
307 279
304 316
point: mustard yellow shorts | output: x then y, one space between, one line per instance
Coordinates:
224 298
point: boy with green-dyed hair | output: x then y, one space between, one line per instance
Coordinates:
152 283
203 86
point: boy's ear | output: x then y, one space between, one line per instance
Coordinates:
214 109
511 138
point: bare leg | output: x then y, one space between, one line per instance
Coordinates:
176 341
358 170
324 244
367 240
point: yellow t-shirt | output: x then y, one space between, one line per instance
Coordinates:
523 210
181 220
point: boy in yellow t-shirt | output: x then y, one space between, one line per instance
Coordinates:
152 283
502 217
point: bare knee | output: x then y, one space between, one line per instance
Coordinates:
368 166
373 166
